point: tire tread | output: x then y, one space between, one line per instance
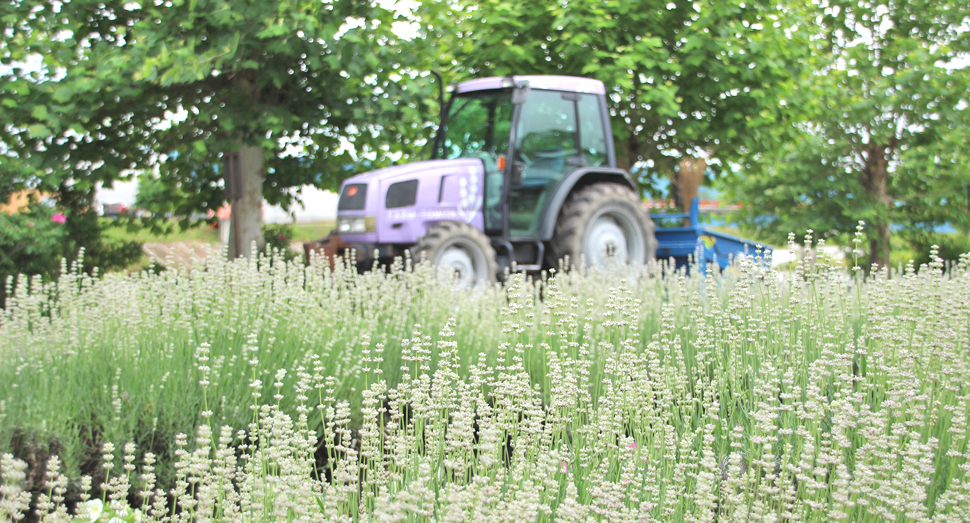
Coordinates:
439 234
575 213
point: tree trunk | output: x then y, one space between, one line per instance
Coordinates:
879 247
687 180
626 154
876 182
247 210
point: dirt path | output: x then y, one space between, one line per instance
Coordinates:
188 253
180 254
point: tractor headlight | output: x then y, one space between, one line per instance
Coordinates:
356 224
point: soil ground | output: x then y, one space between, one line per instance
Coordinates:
187 248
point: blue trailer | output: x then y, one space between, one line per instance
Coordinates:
682 243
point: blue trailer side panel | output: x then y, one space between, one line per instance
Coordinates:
684 242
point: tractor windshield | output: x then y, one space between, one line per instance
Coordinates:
478 126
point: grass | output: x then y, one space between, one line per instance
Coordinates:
305 232
265 391
199 233
302 232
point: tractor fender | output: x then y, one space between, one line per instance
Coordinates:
575 180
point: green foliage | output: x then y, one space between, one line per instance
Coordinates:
134 85
160 196
882 132
949 246
157 195
31 243
35 242
687 78
277 238
85 231
12 177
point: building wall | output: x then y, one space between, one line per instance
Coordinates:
318 206
19 201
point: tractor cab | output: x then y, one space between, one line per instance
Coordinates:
529 136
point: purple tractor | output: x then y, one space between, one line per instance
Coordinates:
523 170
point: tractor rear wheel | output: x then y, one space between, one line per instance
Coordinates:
603 221
459 250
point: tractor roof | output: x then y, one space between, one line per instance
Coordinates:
554 83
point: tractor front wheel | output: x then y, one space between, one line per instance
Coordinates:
603 221
457 249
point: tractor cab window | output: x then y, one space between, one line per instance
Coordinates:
478 126
592 131
546 148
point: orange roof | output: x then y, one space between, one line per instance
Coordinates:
19 201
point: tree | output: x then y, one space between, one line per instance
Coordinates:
156 196
884 130
30 244
293 88
35 240
692 85
55 224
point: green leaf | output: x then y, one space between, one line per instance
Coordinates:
39 131
39 112
273 31
199 147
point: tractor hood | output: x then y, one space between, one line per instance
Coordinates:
399 203
395 172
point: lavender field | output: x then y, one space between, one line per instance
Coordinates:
251 391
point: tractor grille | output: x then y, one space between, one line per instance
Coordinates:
353 197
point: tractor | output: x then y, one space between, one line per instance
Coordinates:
522 171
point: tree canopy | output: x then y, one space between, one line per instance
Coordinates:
128 85
884 124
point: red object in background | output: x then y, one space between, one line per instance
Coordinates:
703 205
113 209
352 190
222 213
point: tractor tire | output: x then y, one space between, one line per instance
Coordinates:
457 248
601 220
